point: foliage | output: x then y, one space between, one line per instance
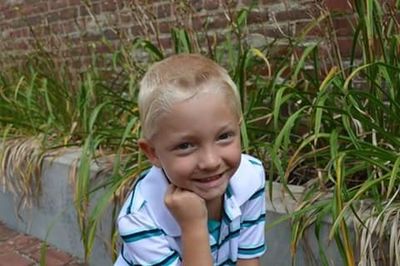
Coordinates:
349 141
331 125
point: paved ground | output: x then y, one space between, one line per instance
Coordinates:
18 249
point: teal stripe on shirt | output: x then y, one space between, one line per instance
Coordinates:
252 251
257 194
227 262
123 256
141 176
255 162
249 223
168 260
230 236
141 235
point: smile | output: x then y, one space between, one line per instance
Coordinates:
209 179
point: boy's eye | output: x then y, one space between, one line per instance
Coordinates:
225 136
184 146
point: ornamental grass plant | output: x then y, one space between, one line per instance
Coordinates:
318 119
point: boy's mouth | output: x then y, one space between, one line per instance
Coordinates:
209 179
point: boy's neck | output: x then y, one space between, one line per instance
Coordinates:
214 208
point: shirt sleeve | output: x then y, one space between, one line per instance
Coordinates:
143 243
252 227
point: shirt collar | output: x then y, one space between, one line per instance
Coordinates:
243 184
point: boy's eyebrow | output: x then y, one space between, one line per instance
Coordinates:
229 125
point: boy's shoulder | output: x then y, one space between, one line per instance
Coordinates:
253 160
250 165
145 203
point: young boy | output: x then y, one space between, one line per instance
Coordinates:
202 202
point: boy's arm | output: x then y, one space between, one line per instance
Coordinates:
190 212
249 262
195 246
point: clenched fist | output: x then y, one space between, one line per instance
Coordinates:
187 207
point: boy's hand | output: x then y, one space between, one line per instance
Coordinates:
190 212
188 208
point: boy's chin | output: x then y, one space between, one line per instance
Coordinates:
212 195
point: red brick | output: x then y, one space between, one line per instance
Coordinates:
74 2
246 2
291 15
23 242
76 264
10 13
15 260
217 22
93 9
198 22
36 8
92 37
111 5
57 4
338 5
21 45
41 30
267 2
211 4
110 34
53 257
126 18
6 233
3 6
23 32
163 10
56 28
52 17
345 45
136 30
164 27
166 43
6 247
316 30
68 27
343 26
33 20
68 13
258 16
197 5
102 48
76 62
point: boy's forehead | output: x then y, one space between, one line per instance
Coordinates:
201 106
201 99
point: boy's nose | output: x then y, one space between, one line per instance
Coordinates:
210 160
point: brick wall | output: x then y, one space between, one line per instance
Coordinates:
72 29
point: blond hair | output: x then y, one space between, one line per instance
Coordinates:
178 78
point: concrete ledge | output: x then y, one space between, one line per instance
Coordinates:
54 217
54 220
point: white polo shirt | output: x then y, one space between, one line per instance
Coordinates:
151 236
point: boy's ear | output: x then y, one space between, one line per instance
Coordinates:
149 151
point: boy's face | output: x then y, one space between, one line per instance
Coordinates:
197 144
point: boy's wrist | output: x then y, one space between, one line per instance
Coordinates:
198 226
200 252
